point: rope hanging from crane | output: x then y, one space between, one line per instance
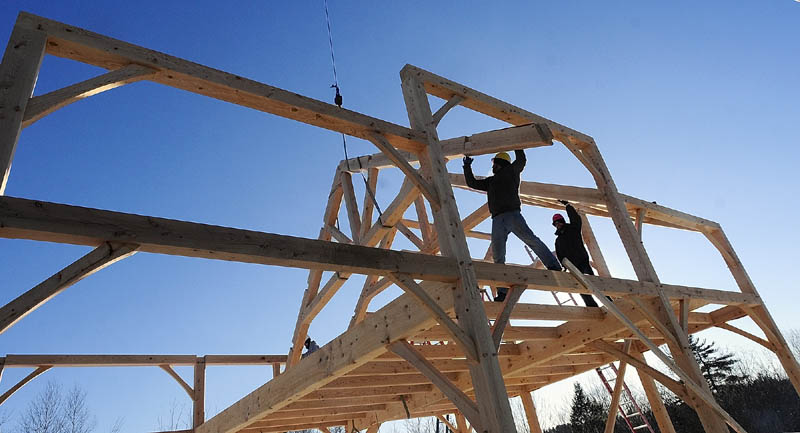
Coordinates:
337 99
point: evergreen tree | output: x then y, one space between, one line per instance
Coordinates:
587 415
716 367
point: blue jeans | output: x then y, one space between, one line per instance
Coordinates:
513 222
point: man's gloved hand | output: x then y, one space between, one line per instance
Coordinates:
564 202
467 161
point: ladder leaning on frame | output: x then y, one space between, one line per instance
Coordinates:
628 407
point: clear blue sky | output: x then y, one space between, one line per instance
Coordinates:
693 104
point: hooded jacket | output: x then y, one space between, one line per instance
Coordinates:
502 188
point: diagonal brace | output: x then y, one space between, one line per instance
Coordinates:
461 400
409 285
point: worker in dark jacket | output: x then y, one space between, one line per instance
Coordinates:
569 244
502 191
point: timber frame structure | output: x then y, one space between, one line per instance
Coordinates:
431 351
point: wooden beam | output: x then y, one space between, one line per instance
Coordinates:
598 260
18 73
447 423
411 173
369 200
336 281
39 370
98 50
411 236
439 114
619 384
482 103
423 223
397 321
640 214
174 374
505 315
102 256
337 234
759 313
673 385
136 360
495 411
653 396
199 395
500 140
594 199
352 207
464 403
464 341
530 413
747 335
36 220
43 105
698 390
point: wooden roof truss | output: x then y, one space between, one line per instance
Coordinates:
431 351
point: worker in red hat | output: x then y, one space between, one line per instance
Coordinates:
569 244
502 192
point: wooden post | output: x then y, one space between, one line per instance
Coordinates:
199 400
759 314
352 206
530 412
594 247
619 385
643 267
654 397
461 423
487 378
18 74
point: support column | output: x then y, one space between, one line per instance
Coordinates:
18 74
487 379
199 398
530 412
654 397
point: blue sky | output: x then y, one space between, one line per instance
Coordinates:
693 105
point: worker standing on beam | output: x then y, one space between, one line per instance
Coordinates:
569 244
502 192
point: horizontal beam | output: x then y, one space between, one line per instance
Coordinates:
654 213
500 140
12 360
36 220
95 49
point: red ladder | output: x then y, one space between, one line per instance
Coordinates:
634 411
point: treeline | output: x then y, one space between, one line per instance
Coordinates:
759 396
